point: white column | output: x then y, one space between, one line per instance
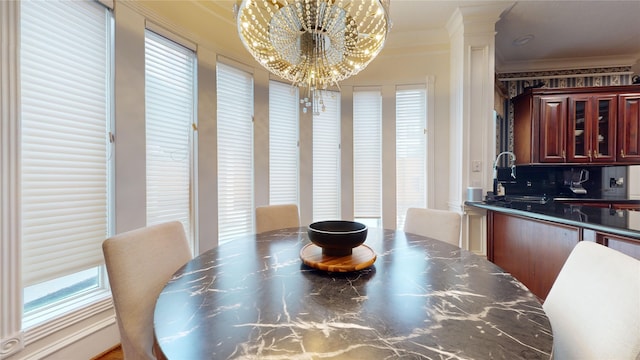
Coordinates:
11 337
207 201
472 34
389 203
346 153
261 137
305 142
129 113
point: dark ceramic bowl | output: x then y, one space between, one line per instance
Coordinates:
337 237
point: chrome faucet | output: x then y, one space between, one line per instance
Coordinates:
513 164
495 171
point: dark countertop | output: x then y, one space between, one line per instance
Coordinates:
252 298
618 222
596 201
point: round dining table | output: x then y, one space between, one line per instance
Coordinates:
254 298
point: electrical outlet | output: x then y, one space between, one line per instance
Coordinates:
616 182
476 166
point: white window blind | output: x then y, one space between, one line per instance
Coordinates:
283 143
169 106
235 152
65 92
367 153
326 159
411 150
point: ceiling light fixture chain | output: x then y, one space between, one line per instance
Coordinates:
314 44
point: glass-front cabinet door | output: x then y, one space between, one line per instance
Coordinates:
592 125
578 144
604 134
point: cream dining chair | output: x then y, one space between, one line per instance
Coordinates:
139 263
594 305
441 225
273 217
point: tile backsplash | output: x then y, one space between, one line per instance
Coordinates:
606 182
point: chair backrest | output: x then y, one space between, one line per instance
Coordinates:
594 305
272 217
441 225
139 263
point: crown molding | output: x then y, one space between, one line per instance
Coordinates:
477 18
565 63
198 31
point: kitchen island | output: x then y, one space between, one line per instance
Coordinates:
533 240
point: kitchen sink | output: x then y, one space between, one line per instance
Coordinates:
527 199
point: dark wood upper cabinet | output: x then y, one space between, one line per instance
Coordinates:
591 137
591 125
628 150
553 125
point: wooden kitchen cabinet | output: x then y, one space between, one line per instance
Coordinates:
623 244
629 128
591 125
553 128
591 132
533 251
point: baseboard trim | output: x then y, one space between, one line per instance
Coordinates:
56 346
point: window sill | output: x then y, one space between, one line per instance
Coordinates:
49 322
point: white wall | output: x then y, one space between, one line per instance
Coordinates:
414 67
95 334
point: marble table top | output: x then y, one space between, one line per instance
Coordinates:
252 298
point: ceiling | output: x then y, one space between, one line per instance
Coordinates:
564 34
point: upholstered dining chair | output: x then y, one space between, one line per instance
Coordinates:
139 263
272 217
594 305
441 225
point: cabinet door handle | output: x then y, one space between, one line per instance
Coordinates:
589 154
622 153
564 156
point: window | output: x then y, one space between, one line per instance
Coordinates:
235 152
367 156
65 84
169 106
326 159
283 143
411 150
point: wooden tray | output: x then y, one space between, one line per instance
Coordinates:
361 258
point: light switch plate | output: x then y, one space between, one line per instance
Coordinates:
476 166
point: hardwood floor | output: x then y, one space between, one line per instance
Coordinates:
114 353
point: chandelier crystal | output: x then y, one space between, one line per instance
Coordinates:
313 43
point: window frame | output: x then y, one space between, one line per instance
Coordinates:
249 213
367 97
14 334
276 99
157 34
423 202
336 153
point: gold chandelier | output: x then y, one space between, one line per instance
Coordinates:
313 43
